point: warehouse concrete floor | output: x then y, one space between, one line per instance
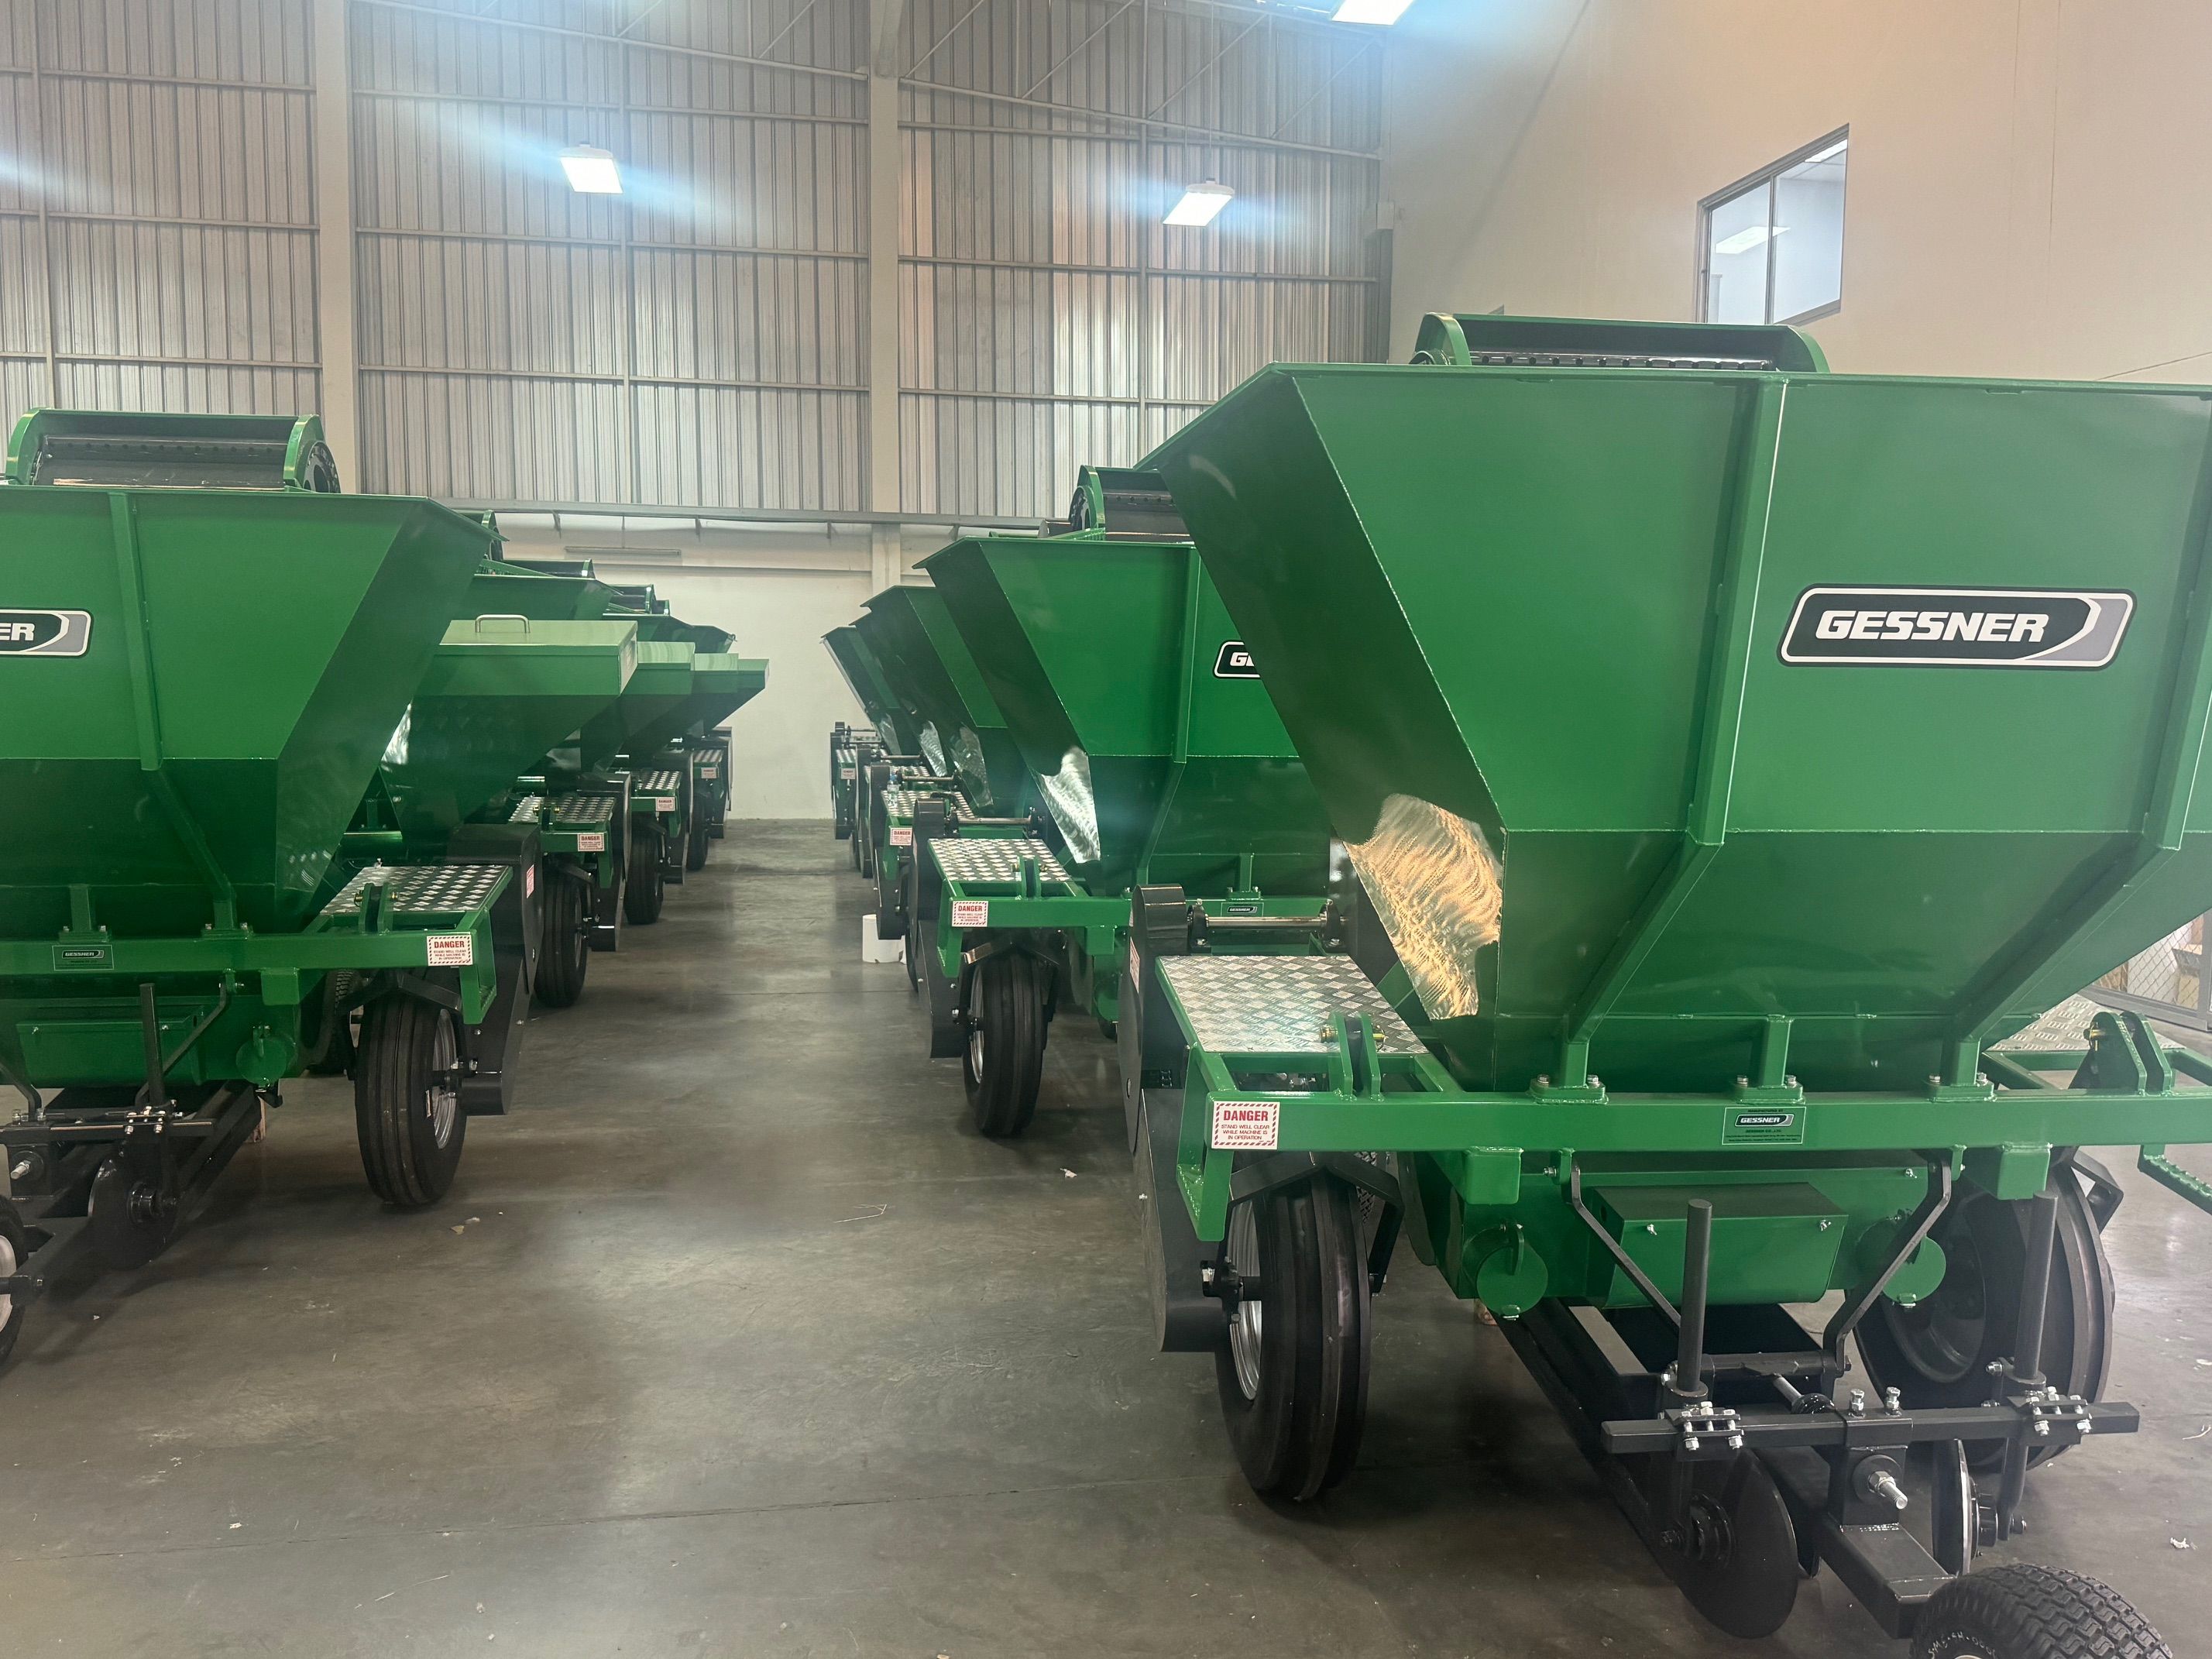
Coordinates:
736 1338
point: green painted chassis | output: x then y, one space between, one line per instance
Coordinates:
1499 1171
78 991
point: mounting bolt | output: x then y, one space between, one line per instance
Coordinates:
1826 1223
1689 1443
1743 1083
1858 1402
1982 1079
1789 1079
1594 1083
1652 1227
1543 1081
1735 1443
1892 1401
2043 1428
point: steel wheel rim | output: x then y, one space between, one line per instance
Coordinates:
7 1266
1244 1323
975 1052
1943 1336
443 1094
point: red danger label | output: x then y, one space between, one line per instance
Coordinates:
1246 1126
971 913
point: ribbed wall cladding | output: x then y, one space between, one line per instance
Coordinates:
704 340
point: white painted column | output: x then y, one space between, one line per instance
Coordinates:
334 240
886 167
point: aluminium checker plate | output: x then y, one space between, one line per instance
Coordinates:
966 859
422 889
1279 1005
582 811
657 783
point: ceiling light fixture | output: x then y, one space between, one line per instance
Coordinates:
1199 203
1744 240
592 171
1382 12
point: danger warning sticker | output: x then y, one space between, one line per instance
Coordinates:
971 913
664 803
844 774
529 879
596 843
453 950
1246 1126
902 834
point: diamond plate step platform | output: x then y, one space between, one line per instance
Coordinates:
1278 1004
978 860
656 783
422 889
583 809
526 809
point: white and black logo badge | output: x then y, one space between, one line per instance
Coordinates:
44 633
1235 662
1956 627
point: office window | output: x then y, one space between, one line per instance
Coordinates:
1771 246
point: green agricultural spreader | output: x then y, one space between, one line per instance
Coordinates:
1157 758
1665 692
205 653
968 756
509 682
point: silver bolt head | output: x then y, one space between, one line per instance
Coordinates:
1735 1443
1689 1443
2043 1428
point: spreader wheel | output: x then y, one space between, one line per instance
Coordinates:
697 844
407 1101
1938 1353
567 948
643 892
1734 1551
2025 1612
1294 1373
1004 1060
919 935
133 1216
14 1251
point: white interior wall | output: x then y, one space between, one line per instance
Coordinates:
779 591
2027 180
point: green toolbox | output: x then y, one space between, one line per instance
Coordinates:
1156 756
207 652
1666 692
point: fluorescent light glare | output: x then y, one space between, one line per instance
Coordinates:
591 172
1199 203
1744 240
1383 12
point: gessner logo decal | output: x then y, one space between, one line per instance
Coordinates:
44 633
1234 662
1957 626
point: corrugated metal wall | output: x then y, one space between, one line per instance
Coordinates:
156 210
1050 317
702 340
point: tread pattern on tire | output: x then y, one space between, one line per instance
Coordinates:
18 1238
398 1038
565 957
2026 1612
1008 1005
1301 1436
643 893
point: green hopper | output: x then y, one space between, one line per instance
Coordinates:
202 682
1695 909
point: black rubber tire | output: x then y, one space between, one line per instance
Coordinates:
403 1042
1002 1061
1297 1432
1923 1352
920 936
2026 1612
698 844
566 955
14 1249
646 889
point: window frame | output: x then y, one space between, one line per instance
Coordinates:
1769 176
